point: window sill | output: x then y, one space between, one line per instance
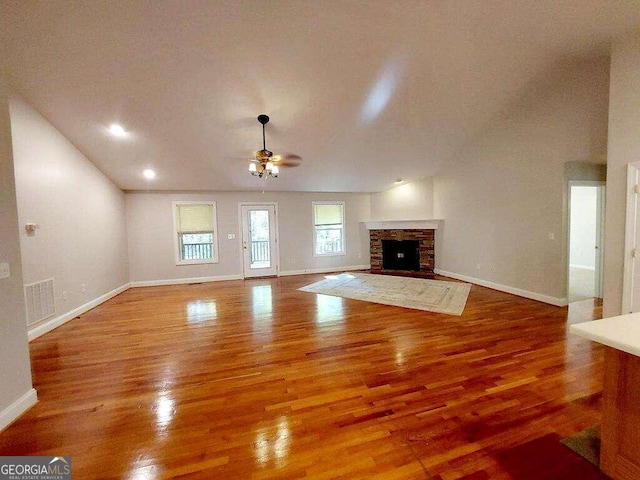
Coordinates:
330 254
196 262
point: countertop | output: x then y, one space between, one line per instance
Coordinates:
621 333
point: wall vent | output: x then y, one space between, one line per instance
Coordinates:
39 301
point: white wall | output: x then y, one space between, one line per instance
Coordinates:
583 227
81 237
504 193
151 237
410 201
623 148
15 367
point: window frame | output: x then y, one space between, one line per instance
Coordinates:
176 241
315 228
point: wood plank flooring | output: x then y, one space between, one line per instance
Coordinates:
255 380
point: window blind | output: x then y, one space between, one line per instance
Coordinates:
328 214
195 218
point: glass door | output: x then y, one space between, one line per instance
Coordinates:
259 241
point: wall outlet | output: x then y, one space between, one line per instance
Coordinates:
84 287
552 236
359 255
5 271
65 295
477 266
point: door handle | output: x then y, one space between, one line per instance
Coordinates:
244 245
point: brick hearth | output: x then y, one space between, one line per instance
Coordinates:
425 237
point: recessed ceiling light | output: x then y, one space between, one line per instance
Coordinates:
117 130
150 174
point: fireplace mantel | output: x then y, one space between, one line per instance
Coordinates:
403 225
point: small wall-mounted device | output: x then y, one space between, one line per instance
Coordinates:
31 228
5 271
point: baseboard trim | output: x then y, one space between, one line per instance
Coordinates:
49 325
558 302
222 278
324 270
18 408
181 281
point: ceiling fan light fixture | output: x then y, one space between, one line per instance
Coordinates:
258 170
265 164
261 166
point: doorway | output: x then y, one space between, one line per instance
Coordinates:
631 278
586 228
259 240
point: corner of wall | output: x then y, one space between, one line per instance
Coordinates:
76 210
16 394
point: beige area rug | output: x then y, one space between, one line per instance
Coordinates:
418 293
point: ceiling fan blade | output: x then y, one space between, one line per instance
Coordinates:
287 160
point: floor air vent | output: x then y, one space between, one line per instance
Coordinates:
39 300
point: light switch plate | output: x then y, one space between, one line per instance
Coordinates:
5 271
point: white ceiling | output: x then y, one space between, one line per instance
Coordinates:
365 92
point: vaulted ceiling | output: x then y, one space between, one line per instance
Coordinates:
365 92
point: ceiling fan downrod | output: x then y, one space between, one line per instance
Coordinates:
263 119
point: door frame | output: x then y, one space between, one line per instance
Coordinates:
275 225
599 232
633 178
601 214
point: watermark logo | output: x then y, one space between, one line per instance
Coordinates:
35 468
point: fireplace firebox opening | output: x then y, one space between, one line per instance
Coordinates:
401 255
407 239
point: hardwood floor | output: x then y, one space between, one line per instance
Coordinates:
253 379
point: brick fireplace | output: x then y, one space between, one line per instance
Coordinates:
403 248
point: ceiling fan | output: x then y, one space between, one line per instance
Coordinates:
265 164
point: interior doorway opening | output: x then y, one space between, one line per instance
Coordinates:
586 227
631 278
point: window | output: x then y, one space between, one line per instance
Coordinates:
196 233
328 221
